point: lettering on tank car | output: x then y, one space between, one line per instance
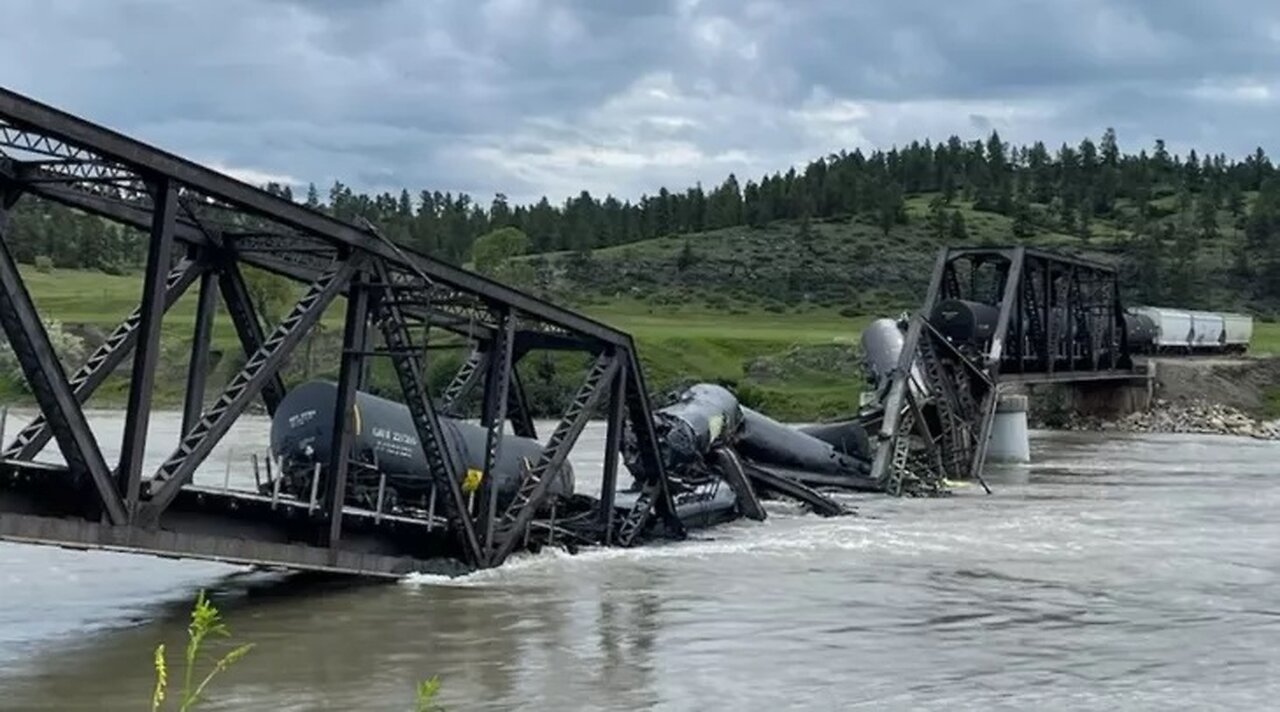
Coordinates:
394 442
299 419
399 451
395 436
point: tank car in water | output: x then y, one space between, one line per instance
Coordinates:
386 443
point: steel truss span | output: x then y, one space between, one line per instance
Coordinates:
203 228
992 316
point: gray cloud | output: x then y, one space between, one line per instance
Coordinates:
532 97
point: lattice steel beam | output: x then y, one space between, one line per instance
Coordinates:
464 381
102 362
261 368
40 366
537 481
407 361
147 160
14 137
248 325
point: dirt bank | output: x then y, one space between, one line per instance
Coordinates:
1229 396
1251 385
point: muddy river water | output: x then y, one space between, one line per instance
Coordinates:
1115 572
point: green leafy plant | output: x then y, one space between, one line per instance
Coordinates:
425 699
205 621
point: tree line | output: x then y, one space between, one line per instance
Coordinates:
1169 206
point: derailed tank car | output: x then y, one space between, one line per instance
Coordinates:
965 323
385 443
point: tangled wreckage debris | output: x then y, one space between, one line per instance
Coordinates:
721 458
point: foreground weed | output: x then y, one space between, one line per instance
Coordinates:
205 621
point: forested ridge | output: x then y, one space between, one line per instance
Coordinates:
1159 211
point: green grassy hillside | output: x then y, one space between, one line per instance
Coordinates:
852 266
775 311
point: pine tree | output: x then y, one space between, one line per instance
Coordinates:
956 231
1022 225
1207 216
939 219
687 258
1084 224
892 210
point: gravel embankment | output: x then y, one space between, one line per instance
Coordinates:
1195 417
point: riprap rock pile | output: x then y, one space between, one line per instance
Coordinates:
1195 417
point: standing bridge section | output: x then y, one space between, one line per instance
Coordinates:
991 317
203 228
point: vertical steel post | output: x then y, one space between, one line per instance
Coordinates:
1050 352
935 281
354 337
198 364
497 386
142 378
1117 318
612 448
1069 310
1020 309
1012 282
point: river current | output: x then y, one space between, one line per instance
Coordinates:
1114 572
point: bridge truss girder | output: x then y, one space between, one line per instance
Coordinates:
1059 318
206 226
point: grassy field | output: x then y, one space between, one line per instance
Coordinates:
682 343
677 343
797 363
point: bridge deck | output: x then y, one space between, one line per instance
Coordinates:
229 525
1118 375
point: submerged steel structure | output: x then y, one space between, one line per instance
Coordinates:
203 227
1054 318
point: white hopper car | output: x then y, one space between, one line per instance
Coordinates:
1183 331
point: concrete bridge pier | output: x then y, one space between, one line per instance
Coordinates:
1009 440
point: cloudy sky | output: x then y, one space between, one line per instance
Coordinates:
533 97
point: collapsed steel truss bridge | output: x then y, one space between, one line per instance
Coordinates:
203 227
1058 318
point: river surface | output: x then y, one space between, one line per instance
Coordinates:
1115 572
